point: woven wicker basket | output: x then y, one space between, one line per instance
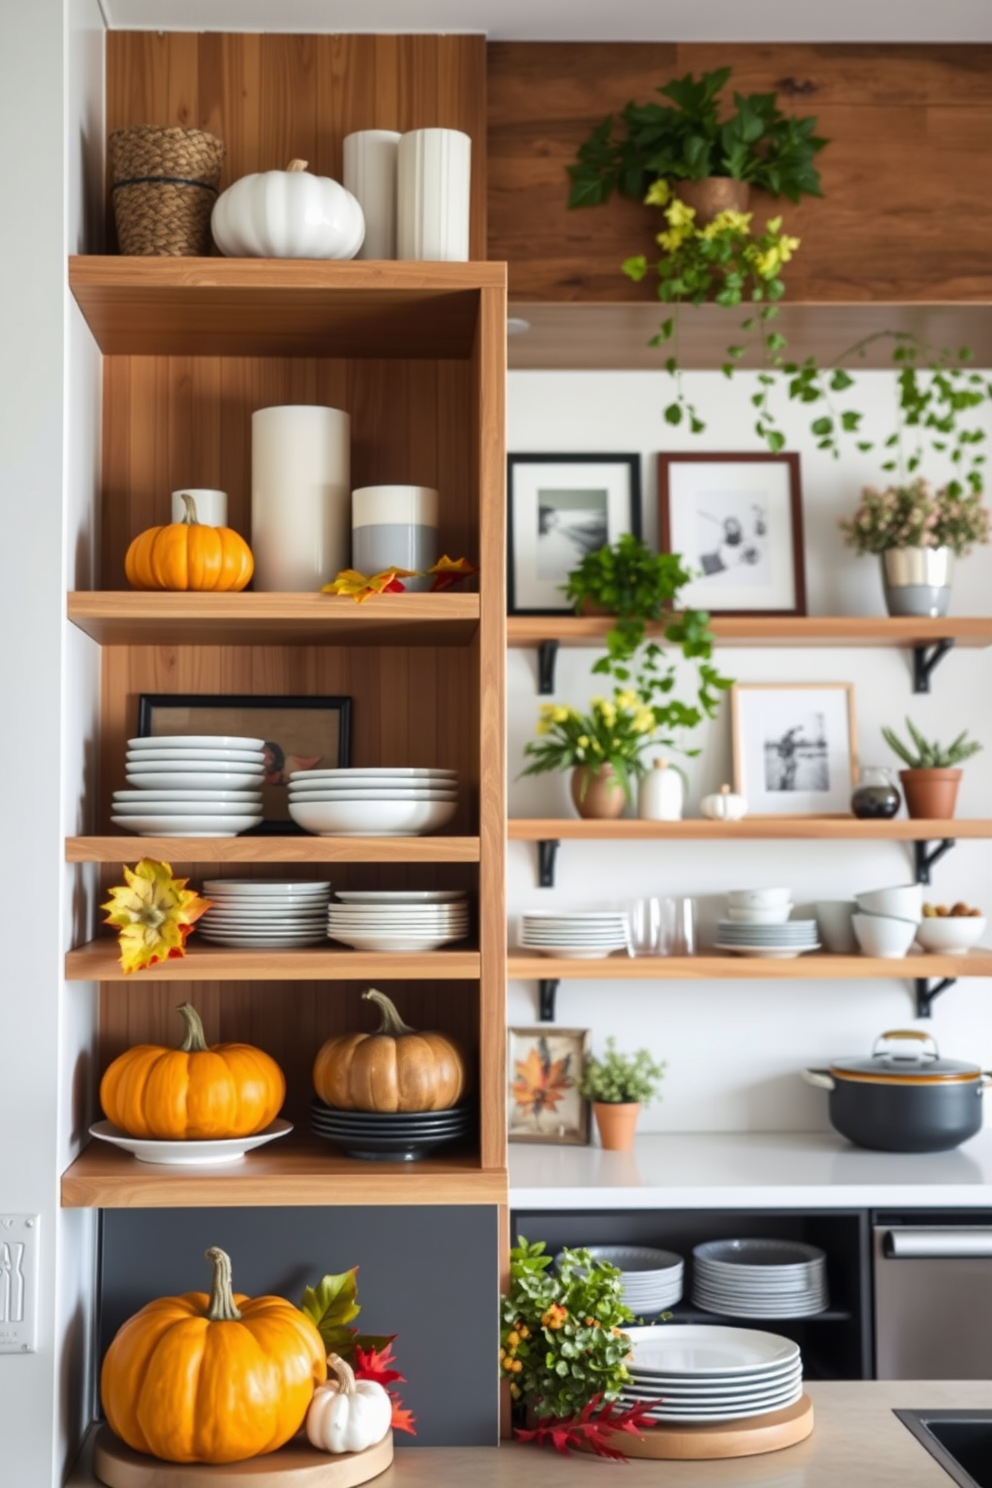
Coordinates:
165 186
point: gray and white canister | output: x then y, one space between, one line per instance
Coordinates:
395 527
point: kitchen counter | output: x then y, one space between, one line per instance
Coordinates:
749 1170
857 1440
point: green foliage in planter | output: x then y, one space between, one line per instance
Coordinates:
621 1078
930 756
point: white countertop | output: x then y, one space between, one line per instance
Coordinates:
763 1170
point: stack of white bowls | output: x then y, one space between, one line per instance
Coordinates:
758 924
699 1374
199 785
576 937
398 919
887 920
260 914
759 1278
386 802
651 1279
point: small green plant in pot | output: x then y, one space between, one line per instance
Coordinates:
618 1086
931 778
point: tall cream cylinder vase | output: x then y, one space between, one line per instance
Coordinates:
370 175
434 173
300 497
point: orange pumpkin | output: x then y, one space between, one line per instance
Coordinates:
192 1093
189 555
394 1069
212 1379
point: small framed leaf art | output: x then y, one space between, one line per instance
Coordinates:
545 1067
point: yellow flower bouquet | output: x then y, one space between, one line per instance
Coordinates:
614 732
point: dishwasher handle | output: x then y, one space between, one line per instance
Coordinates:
937 1243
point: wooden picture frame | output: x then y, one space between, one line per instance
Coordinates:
737 520
544 1066
795 747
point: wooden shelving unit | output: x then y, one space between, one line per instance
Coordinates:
99 962
764 630
749 829
710 965
260 850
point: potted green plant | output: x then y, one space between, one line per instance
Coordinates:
618 1086
603 748
930 780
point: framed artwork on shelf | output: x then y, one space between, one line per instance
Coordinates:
544 1067
795 747
738 522
300 733
561 507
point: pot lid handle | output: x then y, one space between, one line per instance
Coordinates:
918 1045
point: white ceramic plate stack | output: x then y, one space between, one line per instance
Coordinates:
652 1279
700 1374
759 1278
782 942
398 920
202 785
393 802
261 915
575 937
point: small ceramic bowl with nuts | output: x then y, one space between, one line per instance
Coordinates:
950 931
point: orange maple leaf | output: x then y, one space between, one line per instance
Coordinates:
541 1081
403 1418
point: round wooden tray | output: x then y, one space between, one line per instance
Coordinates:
769 1433
296 1465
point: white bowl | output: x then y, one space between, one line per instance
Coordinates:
251 757
234 797
187 826
380 772
250 807
371 818
904 902
253 888
195 741
307 797
950 935
207 781
776 916
758 898
883 935
834 919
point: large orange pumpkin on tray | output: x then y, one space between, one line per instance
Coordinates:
189 555
195 1092
396 1068
215 1378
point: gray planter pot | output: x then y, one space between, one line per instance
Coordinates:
917 581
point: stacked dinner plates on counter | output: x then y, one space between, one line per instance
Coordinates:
701 1375
264 915
200 785
393 802
387 1136
399 919
759 1278
576 937
651 1279
783 941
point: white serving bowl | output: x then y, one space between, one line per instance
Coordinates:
187 826
371 818
776 916
305 797
904 902
758 898
883 935
950 935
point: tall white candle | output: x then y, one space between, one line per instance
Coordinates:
370 175
434 172
300 496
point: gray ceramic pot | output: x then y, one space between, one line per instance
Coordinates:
917 581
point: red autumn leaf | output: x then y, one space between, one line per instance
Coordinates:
403 1419
591 1427
376 1364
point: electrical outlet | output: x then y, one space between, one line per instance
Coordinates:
19 1239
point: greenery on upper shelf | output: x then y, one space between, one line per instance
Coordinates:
930 756
621 1078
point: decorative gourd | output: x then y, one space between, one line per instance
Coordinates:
394 1069
192 1093
348 1415
287 214
212 1379
189 555
724 805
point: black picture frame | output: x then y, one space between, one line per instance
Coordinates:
156 708
621 508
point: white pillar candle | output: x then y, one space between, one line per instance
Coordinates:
300 497
211 506
434 171
370 175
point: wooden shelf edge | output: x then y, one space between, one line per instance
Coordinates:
247 850
543 829
764 630
721 966
118 271
98 962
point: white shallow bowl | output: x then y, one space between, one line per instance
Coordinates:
189 1154
186 826
879 935
372 818
379 772
395 943
197 780
905 902
196 741
760 916
264 887
950 936
306 798
758 898
248 758
402 896
235 797
187 808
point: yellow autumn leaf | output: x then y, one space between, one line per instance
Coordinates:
361 586
153 914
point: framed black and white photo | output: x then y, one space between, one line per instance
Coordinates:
561 507
737 520
795 747
544 1068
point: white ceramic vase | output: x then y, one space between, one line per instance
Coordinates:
300 497
395 527
661 794
370 176
434 172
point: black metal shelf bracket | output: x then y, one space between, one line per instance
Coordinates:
548 990
925 658
927 994
926 855
547 851
547 656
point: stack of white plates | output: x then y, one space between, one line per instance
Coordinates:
791 938
398 920
393 802
652 1279
199 785
759 1278
576 937
700 1374
262 914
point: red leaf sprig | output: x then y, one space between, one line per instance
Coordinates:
590 1427
377 1364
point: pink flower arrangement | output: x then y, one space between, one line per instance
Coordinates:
916 516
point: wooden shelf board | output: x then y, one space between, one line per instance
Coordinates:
299 1169
750 829
765 630
291 849
98 962
287 307
141 618
716 965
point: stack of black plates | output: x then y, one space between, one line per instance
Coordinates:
385 1136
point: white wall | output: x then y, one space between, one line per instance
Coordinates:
734 1048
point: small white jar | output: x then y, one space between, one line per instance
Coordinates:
395 527
662 794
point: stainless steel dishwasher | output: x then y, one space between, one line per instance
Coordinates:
933 1298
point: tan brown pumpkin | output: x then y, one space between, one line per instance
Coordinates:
396 1068
189 555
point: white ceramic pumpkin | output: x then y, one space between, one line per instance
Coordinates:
347 1415
723 805
287 214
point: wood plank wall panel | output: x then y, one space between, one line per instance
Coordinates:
906 213
275 98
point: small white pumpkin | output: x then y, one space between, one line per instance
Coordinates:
287 214
724 805
348 1415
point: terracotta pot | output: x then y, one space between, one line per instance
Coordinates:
597 794
930 794
714 195
593 607
617 1123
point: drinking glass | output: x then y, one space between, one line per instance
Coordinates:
645 926
677 933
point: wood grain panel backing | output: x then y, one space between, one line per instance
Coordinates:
905 215
274 98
